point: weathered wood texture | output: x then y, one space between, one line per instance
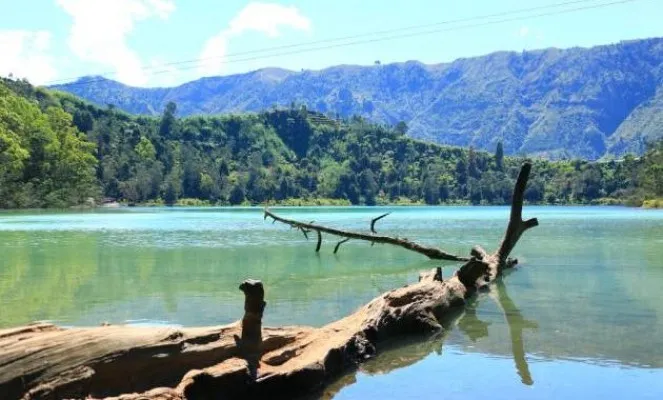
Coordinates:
46 362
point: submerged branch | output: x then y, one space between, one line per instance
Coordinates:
339 244
317 247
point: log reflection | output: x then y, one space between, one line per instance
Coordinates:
401 354
517 323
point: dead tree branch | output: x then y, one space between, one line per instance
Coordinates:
376 219
317 247
430 252
516 225
339 244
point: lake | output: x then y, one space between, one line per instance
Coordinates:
581 316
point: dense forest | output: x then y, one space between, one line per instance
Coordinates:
57 150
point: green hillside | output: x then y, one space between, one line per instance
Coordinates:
58 150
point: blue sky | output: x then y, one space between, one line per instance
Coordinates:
131 40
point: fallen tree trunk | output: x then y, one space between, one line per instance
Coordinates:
240 360
402 353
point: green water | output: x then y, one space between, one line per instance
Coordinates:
582 316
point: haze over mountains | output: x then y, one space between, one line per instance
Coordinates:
598 102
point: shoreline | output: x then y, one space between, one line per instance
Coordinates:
290 206
650 204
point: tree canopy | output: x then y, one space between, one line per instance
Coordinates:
44 159
57 150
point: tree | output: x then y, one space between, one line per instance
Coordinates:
369 187
472 164
347 188
145 149
431 191
237 195
652 170
208 188
283 191
170 194
401 128
499 156
83 120
461 171
168 121
223 168
191 179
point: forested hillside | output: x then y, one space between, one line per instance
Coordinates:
604 101
58 150
44 159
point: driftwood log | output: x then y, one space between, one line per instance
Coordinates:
243 360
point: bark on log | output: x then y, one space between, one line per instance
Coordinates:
47 362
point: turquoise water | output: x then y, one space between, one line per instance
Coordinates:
581 316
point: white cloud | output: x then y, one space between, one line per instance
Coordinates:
162 8
25 54
523 31
100 29
265 18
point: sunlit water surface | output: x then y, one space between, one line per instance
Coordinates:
581 317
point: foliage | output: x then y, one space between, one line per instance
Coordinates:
282 156
653 203
44 160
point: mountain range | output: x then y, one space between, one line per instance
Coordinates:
591 103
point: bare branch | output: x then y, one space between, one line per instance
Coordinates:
516 225
317 247
339 244
485 268
304 231
430 252
376 219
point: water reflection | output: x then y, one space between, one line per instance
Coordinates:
400 354
517 323
183 268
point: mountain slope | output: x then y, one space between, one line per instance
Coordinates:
554 103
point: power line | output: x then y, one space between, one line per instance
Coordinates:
349 37
374 40
380 39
